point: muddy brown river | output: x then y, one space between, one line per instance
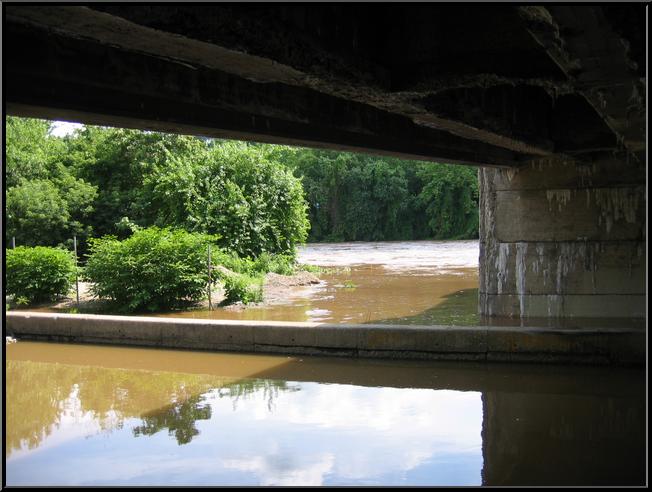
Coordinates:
414 282
101 415
393 282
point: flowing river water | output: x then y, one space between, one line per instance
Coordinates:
413 282
397 282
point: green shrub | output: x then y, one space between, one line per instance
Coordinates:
268 262
39 273
154 269
242 287
232 261
264 263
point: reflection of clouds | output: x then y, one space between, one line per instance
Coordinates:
373 431
286 471
449 415
321 434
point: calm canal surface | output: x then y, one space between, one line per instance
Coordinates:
99 415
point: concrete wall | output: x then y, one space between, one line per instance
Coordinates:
473 343
560 238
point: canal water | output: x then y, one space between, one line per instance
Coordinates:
398 282
101 415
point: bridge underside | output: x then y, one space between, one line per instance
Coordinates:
549 101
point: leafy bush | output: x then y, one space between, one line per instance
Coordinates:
237 190
267 262
39 273
152 270
243 287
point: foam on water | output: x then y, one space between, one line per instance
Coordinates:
399 256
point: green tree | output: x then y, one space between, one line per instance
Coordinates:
450 197
153 269
356 197
38 274
29 150
46 204
237 191
119 162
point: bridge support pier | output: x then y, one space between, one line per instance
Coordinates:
563 239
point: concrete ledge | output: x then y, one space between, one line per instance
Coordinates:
592 346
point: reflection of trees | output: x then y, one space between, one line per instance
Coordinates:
38 393
32 409
179 419
244 389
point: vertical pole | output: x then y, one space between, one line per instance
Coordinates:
74 238
13 242
210 302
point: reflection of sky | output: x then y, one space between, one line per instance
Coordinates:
321 435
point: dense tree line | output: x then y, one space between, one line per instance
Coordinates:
256 198
358 197
107 181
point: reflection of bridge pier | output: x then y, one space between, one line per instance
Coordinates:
565 439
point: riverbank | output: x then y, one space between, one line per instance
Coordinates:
275 287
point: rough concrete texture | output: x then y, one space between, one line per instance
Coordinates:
515 83
595 346
557 239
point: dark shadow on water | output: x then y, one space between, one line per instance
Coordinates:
461 309
458 309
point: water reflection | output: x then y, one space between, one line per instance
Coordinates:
228 419
46 398
179 419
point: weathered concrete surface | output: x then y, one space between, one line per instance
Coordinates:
495 85
595 346
560 239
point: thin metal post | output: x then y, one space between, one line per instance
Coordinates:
210 302
74 239
13 242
